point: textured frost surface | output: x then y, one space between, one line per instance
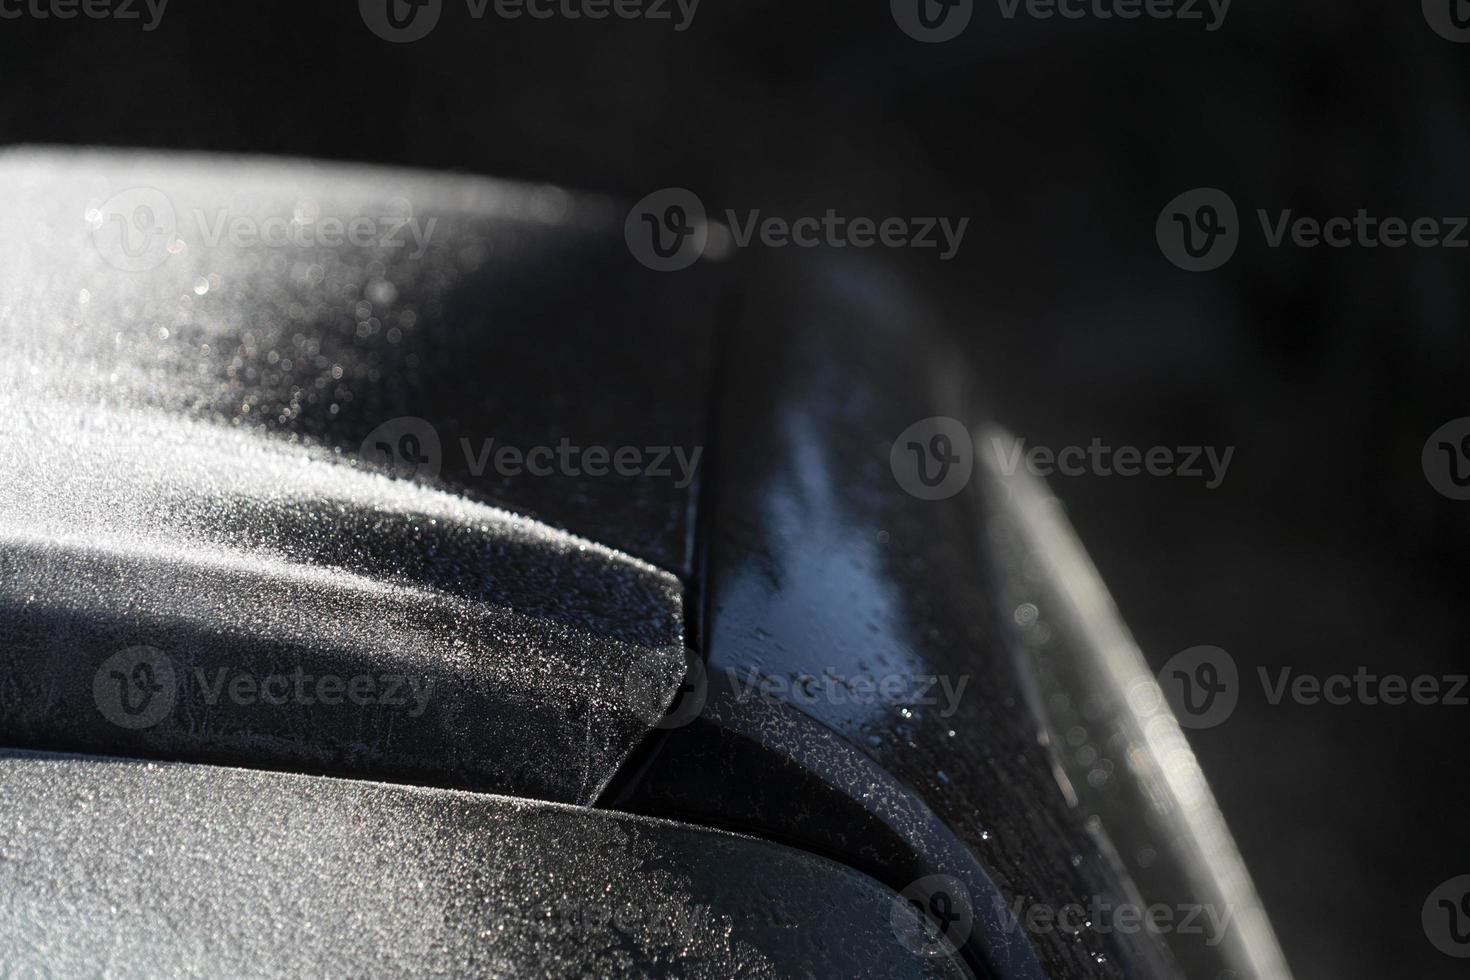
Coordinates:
172 482
157 870
319 302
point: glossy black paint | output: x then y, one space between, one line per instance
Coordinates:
820 565
190 458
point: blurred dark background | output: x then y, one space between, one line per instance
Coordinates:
1324 549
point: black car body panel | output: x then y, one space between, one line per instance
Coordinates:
272 457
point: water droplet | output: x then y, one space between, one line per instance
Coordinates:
381 292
